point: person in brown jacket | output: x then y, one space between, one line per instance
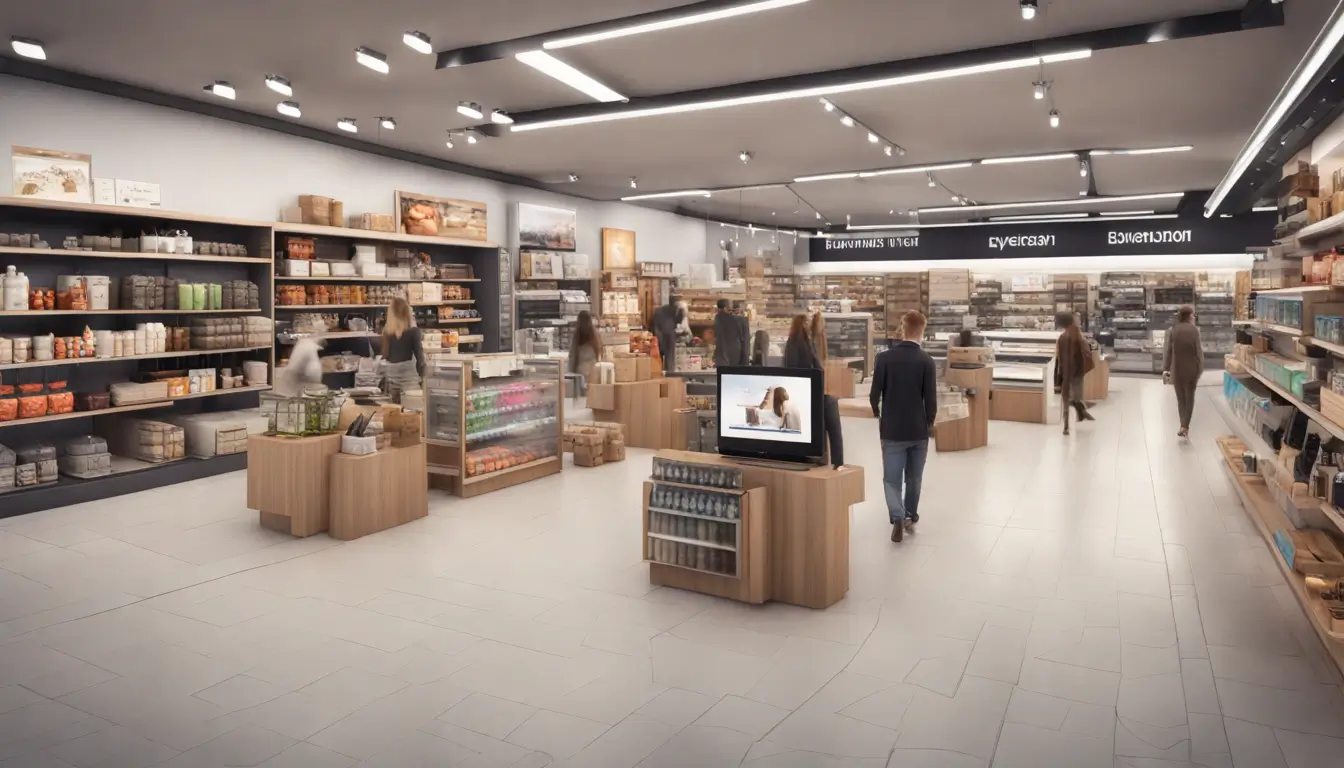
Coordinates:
1182 364
1073 359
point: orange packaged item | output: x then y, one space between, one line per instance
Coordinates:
9 404
49 299
178 386
59 348
35 300
32 401
59 399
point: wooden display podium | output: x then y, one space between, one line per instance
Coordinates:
1097 383
840 377
644 408
287 481
806 526
378 491
973 431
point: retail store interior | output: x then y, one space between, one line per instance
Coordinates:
496 384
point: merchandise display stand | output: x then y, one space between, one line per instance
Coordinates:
492 421
644 408
288 481
972 431
805 520
840 377
1097 382
377 491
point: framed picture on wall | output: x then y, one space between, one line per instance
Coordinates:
50 174
440 216
541 226
618 248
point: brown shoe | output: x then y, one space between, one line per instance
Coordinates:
898 532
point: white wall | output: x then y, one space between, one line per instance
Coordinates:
227 169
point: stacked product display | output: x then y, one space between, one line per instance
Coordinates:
694 517
905 292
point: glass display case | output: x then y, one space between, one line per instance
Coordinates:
849 336
492 421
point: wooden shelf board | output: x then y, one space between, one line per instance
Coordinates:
1321 228
1301 289
1314 414
155 356
318 230
1272 328
1337 349
692 542
336 307
201 259
219 393
510 470
83 414
435 469
458 320
710 488
710 518
63 312
122 210
282 278
441 443
692 569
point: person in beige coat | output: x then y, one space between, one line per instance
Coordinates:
1183 363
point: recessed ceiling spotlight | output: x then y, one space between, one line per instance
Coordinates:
28 48
573 177
1028 9
634 183
388 123
280 85
222 89
289 109
1038 90
1054 118
932 183
470 109
347 124
745 156
417 41
1082 168
828 105
847 121
500 116
372 59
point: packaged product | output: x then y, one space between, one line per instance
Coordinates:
85 445
9 403
23 348
6 350
197 296
7 457
6 479
88 401
59 399
35 453
43 347
47 471
131 393
32 401
184 295
25 475
86 466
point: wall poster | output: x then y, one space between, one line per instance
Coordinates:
541 226
50 174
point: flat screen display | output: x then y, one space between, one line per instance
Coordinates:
770 412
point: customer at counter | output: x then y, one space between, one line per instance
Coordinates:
731 340
403 354
585 349
665 321
800 351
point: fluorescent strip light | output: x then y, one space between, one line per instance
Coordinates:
1040 217
1028 158
28 48
372 59
679 193
417 41
1264 209
903 227
1148 151
222 90
289 109
280 85
1050 203
922 77
550 66
828 177
470 109
1126 213
915 169
656 26
1322 48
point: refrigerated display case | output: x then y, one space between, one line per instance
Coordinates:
492 421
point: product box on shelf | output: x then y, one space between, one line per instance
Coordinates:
296 268
602 397
403 426
627 369
377 222
589 449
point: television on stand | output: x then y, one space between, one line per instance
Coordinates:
772 414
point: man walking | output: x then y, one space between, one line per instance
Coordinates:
905 401
730 337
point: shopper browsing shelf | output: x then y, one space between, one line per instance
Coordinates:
904 396
403 355
665 321
760 348
585 348
1182 364
1073 361
731 341
802 351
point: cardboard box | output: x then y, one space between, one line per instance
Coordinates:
970 355
403 426
614 450
377 222
627 370
1318 208
602 397
315 209
643 368
295 268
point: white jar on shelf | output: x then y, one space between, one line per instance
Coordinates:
15 291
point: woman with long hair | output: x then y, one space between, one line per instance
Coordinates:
585 348
760 348
403 355
1073 358
802 351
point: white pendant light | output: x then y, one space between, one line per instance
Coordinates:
280 85
289 109
28 48
417 41
1028 9
347 124
372 59
470 109
388 123
1054 118
222 89
500 116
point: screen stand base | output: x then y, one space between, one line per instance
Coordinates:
789 466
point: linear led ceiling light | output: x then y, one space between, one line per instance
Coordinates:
1126 213
28 48
912 169
1145 151
470 109
222 89
1028 158
550 66
957 224
682 21
828 177
417 41
289 109
372 59
1040 217
1322 48
823 90
1051 203
678 193
280 85
1264 209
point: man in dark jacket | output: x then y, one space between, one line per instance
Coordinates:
665 319
730 337
905 400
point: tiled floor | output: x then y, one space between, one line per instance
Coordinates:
1092 601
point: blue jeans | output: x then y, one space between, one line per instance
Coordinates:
903 463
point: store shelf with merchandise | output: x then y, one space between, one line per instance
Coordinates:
170 300
492 421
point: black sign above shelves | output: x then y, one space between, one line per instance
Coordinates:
1049 239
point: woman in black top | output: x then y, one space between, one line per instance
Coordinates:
403 355
800 351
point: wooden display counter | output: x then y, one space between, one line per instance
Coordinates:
972 431
375 492
1097 383
840 377
804 526
287 481
644 408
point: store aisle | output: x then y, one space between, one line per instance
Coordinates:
1099 600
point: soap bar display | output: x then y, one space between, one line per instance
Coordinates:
697 474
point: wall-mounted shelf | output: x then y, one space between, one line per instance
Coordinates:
66 312
317 230
133 255
283 279
125 358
